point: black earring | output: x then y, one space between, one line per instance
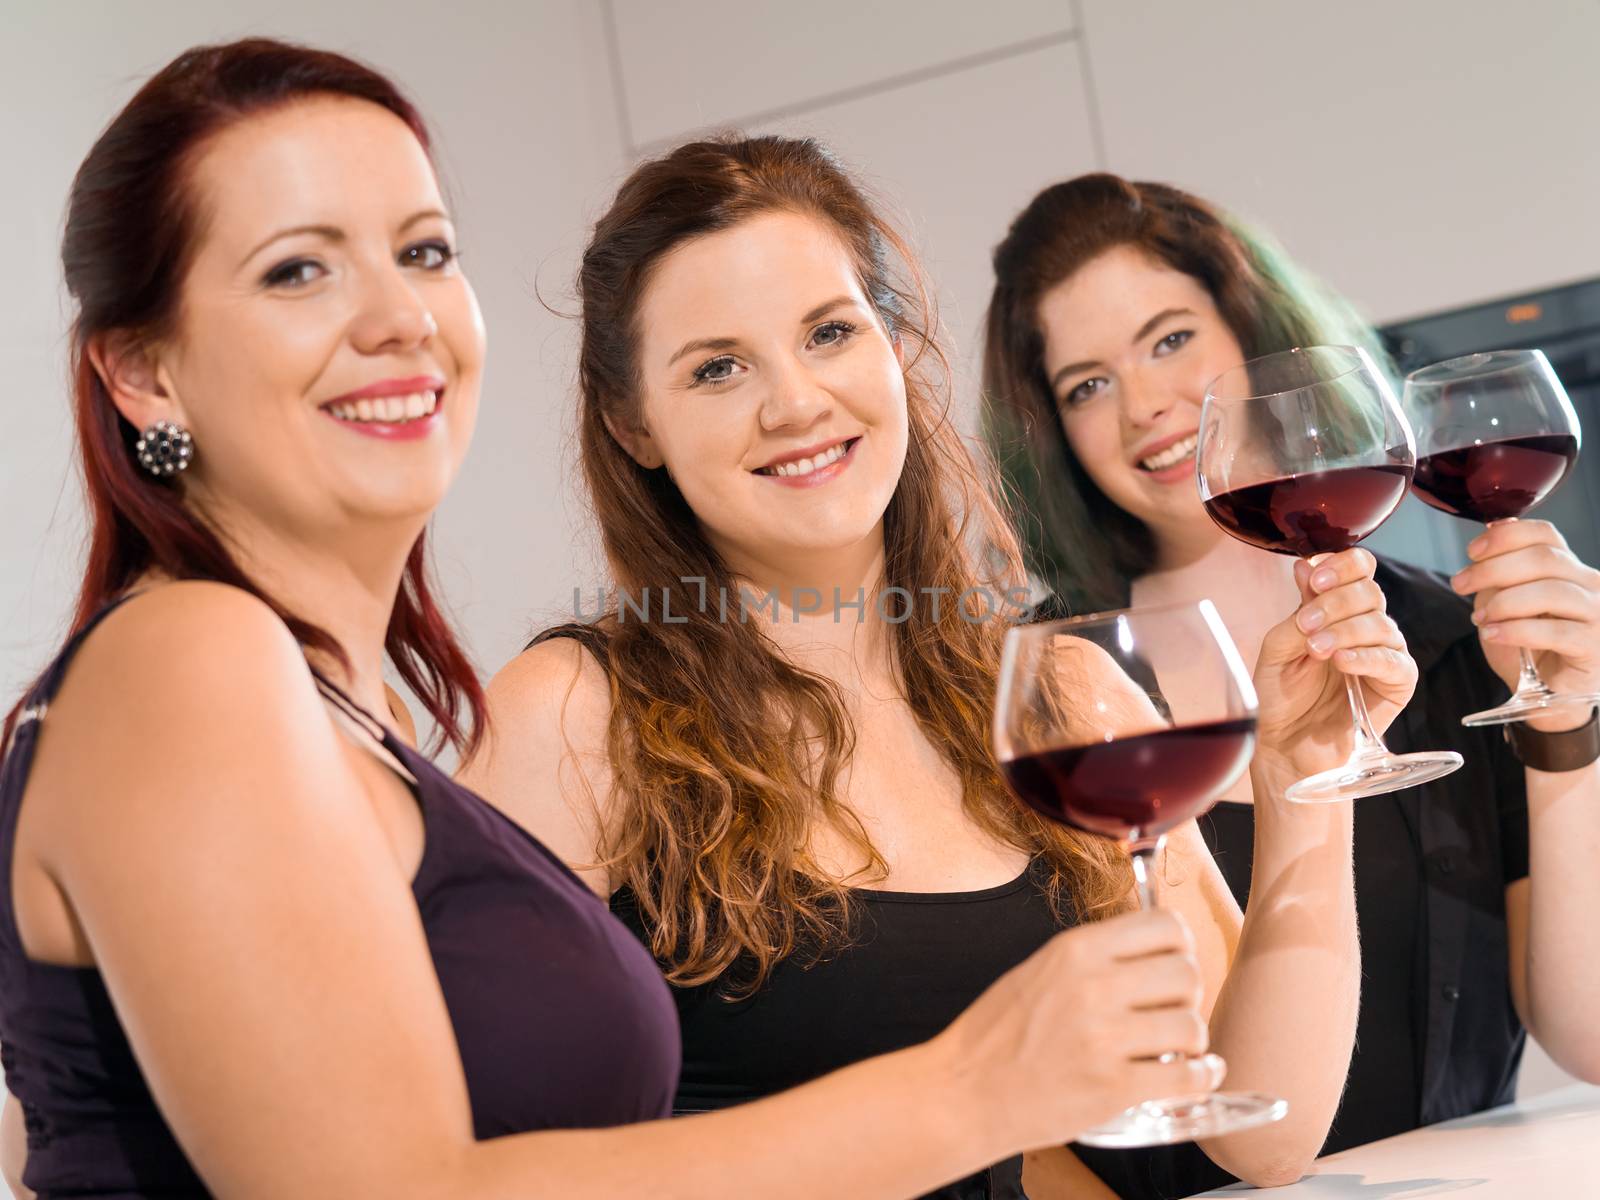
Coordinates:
164 449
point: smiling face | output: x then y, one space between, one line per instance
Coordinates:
772 393
327 351
1130 345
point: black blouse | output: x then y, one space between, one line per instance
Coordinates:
1437 1036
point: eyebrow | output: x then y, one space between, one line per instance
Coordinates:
334 234
1144 331
728 343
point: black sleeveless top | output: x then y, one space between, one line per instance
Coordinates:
914 961
560 1020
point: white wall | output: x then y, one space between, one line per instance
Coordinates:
1417 155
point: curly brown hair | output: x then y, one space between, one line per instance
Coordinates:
715 800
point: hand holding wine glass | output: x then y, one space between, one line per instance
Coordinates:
1340 632
1306 452
1533 597
1497 434
1087 735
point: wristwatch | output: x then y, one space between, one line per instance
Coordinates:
1567 751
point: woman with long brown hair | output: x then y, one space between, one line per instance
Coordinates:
771 751
252 943
1115 304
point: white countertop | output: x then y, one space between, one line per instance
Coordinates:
1546 1148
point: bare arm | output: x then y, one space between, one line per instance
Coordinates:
270 969
1285 1015
1531 592
1553 937
1059 1174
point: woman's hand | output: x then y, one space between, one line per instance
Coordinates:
1072 1036
1340 630
1531 592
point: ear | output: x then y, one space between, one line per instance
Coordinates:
138 385
638 443
899 344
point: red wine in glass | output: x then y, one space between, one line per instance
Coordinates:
1086 736
1496 434
1318 512
1138 786
1495 480
1306 452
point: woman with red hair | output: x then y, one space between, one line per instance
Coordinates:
251 942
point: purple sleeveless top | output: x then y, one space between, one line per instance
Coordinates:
561 1018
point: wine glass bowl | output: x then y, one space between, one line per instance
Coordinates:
1307 452
1125 725
1496 436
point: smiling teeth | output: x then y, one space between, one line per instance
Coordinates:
805 466
388 409
1172 455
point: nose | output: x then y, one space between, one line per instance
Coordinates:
1145 401
392 316
795 399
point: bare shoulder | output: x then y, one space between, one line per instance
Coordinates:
186 681
544 759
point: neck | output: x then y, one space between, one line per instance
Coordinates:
345 586
1252 589
826 617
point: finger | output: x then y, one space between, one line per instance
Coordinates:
1135 935
1337 604
1525 565
1160 981
1570 639
1182 1077
1347 566
1502 537
1560 598
1369 629
1390 671
1151 1033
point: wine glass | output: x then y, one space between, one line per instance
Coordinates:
1496 435
1085 734
1306 452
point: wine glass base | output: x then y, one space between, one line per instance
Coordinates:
1163 1122
1374 776
1530 704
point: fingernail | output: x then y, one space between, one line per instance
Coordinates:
1311 619
1478 616
1456 580
1490 633
1475 547
1321 643
1347 656
1321 580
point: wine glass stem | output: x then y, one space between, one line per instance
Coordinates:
1143 853
1367 741
1528 681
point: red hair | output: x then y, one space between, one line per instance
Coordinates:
130 233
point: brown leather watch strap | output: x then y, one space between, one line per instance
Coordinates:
1568 751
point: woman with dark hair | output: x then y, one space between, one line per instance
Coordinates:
771 752
1115 304
251 942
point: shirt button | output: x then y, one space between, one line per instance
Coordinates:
1447 865
1451 991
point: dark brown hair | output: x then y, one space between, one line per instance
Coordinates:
716 795
131 229
1079 543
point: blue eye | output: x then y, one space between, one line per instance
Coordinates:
1173 341
717 370
836 331
295 273
430 255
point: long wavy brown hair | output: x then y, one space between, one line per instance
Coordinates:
719 787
